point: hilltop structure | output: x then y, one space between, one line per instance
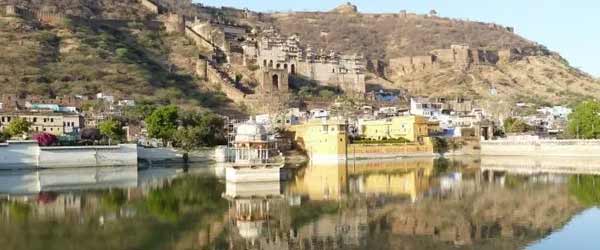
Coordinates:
273 51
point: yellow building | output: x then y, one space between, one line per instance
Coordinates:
323 140
50 122
412 128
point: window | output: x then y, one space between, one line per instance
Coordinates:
35 119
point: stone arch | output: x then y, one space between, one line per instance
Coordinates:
293 69
278 66
275 81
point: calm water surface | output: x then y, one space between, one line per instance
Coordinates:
489 203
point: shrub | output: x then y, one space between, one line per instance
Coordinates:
91 134
45 139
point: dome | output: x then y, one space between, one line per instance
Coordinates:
250 131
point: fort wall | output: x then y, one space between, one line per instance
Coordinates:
151 6
459 56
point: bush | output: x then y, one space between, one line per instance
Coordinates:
91 134
3 137
45 139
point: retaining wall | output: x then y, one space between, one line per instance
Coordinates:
28 154
571 148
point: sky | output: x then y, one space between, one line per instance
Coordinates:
569 27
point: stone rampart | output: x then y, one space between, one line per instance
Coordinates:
151 6
560 148
47 15
198 39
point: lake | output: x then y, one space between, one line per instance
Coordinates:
420 203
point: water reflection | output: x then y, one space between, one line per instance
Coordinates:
416 203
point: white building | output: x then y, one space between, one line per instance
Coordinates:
424 107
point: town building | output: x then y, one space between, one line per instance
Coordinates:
50 122
322 139
412 128
436 106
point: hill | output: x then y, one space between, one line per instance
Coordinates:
537 75
116 47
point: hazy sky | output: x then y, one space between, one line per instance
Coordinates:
570 27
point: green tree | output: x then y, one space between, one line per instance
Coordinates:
18 126
162 123
514 125
211 130
112 129
188 138
3 136
584 122
199 130
440 145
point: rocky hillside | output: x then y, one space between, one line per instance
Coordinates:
541 76
108 46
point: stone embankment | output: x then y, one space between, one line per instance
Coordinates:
28 154
544 148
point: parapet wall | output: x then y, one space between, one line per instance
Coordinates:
27 154
561 148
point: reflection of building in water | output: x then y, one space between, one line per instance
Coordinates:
33 182
255 213
409 177
537 165
57 193
346 228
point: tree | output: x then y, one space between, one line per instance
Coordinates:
584 121
199 130
18 126
45 139
111 128
514 125
188 138
91 134
162 123
3 136
440 145
211 129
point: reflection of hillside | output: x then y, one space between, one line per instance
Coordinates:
521 215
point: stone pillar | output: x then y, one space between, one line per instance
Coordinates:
202 68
